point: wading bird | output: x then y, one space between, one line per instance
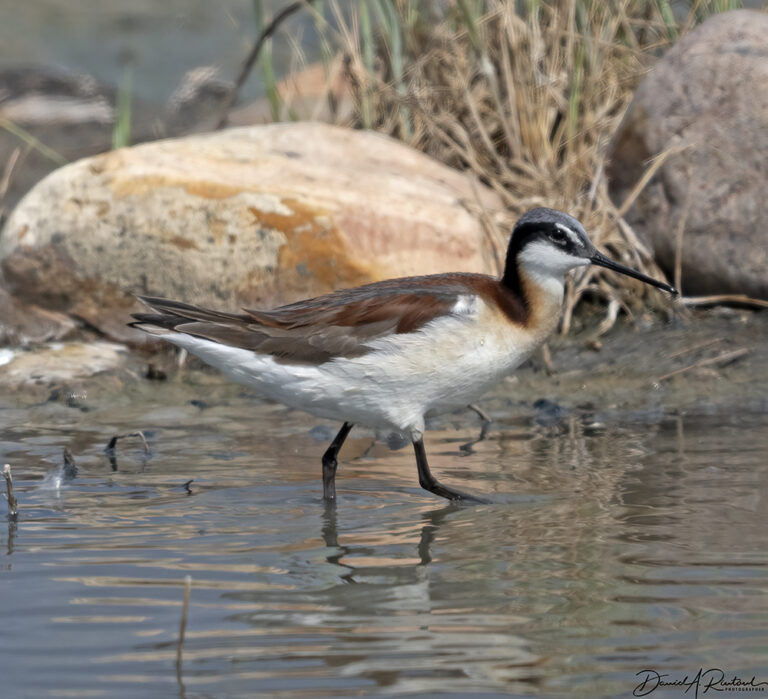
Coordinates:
388 354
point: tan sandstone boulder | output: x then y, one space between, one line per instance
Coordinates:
53 363
246 217
72 373
707 99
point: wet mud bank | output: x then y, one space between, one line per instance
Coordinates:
709 361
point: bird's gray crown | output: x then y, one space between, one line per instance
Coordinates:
553 227
549 217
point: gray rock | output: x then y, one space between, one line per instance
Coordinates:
709 96
69 367
27 324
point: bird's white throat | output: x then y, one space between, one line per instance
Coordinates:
546 266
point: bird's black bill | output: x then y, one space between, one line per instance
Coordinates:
602 261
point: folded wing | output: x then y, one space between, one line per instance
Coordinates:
341 324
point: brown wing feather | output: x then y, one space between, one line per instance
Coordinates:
316 330
413 300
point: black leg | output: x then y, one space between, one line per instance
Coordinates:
430 483
330 463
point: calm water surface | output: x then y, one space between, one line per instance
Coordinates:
615 543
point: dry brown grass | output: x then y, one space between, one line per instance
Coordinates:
524 95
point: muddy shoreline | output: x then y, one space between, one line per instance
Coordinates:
713 360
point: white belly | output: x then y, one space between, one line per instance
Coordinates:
450 362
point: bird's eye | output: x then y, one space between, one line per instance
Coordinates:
557 236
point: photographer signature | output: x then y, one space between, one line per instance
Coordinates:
704 680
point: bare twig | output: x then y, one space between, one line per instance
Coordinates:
5 181
637 245
139 434
693 348
546 356
480 412
719 360
490 230
648 175
610 318
717 299
253 56
596 180
679 234
183 624
30 140
13 505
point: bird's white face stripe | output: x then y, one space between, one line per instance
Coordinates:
546 259
572 236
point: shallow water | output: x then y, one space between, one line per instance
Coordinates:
615 543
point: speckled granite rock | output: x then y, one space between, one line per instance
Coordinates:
709 97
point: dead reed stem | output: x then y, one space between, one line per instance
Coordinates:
720 360
693 348
253 55
13 505
183 626
5 180
526 96
678 277
715 299
113 442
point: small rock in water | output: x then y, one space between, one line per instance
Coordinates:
65 366
548 413
69 469
154 374
61 475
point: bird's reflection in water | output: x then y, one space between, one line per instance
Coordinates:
468 447
331 538
11 535
432 520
